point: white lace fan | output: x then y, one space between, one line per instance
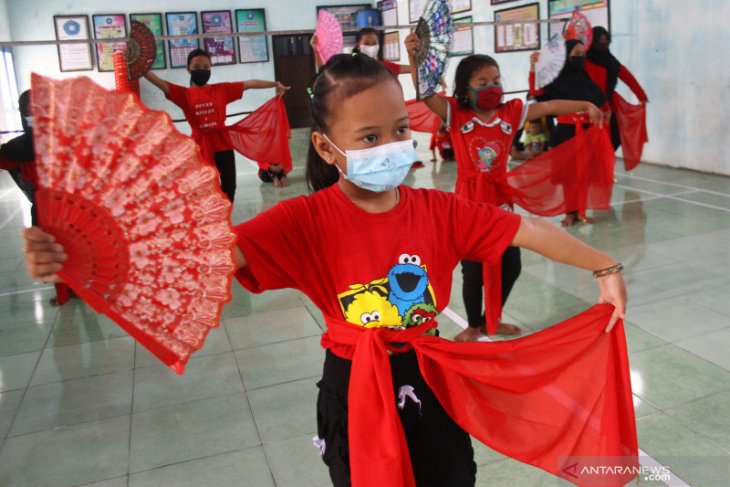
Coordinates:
551 61
139 213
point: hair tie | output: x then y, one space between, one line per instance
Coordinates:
355 53
310 91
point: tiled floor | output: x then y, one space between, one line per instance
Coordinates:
81 404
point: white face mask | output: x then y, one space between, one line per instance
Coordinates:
370 51
378 168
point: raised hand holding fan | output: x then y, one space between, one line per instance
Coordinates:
329 35
139 213
435 29
550 62
141 50
579 27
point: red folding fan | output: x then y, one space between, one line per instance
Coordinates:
329 35
140 215
141 50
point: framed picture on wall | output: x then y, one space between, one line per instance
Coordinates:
220 47
497 2
252 49
462 43
181 24
517 36
388 12
415 10
597 12
73 57
391 46
112 26
460 6
154 23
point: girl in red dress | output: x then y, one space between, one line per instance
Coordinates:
482 128
204 106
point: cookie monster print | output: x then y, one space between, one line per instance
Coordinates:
408 283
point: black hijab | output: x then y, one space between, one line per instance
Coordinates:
604 59
21 148
573 83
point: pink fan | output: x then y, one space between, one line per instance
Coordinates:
329 35
139 213
579 27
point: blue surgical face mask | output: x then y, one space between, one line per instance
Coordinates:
379 168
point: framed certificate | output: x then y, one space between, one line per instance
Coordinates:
154 23
517 36
462 43
113 26
180 24
220 47
252 49
73 57
391 46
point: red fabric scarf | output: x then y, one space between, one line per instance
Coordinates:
263 136
632 129
574 176
562 392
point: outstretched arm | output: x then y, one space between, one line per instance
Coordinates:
258 84
158 82
548 240
564 107
437 104
44 257
318 61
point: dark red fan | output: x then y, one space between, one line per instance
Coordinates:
141 50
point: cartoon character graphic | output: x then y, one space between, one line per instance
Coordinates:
419 314
408 282
486 152
403 298
371 309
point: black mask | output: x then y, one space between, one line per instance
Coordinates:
199 77
578 61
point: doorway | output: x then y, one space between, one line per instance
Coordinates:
294 66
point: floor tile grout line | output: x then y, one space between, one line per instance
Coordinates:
250 408
10 217
25 389
25 291
675 184
131 412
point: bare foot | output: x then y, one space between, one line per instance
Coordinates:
469 335
282 181
277 181
568 221
507 329
585 219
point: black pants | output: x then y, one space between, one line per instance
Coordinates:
474 282
441 452
225 161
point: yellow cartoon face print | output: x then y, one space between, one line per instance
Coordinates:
371 309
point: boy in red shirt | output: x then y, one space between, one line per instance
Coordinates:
204 106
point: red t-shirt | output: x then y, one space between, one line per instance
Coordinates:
482 149
205 111
383 269
392 67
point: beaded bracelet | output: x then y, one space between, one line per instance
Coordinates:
608 271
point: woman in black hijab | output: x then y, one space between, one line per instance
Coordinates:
605 70
573 83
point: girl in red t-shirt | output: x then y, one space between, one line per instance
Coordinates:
482 127
204 106
380 272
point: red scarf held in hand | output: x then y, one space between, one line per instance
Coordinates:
561 392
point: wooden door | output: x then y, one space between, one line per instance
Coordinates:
294 66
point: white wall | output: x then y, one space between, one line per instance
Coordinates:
673 48
4 24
